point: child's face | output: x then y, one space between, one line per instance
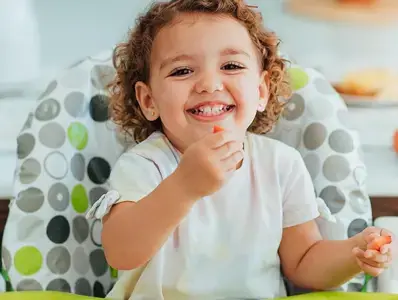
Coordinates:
205 71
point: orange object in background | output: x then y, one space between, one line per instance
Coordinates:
395 141
359 2
379 242
217 129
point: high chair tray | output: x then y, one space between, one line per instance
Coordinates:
312 296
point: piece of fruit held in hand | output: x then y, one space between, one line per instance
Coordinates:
379 242
217 128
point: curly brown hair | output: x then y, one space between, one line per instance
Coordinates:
132 62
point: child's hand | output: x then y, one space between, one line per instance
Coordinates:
375 250
205 165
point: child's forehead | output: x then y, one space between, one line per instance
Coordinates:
190 32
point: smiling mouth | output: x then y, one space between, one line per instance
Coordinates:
213 110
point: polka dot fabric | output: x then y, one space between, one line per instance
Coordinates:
65 153
315 123
67 148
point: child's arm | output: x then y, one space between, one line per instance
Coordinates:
134 231
307 260
310 262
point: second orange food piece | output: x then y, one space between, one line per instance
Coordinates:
379 242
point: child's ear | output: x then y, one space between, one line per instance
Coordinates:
144 97
264 87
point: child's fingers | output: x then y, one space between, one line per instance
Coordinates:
382 263
386 249
372 236
376 256
372 271
230 163
228 148
385 232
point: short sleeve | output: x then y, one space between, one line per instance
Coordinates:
134 177
299 200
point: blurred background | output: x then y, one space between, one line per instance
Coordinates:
354 45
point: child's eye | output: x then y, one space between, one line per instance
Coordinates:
232 66
181 72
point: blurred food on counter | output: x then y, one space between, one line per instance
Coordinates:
371 84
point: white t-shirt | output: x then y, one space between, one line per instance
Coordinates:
227 246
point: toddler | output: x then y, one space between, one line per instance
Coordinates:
193 214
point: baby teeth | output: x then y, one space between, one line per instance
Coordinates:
209 111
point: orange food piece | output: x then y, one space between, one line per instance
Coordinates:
395 141
217 129
379 242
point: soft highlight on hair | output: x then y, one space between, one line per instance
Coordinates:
132 62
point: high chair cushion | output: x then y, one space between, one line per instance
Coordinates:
65 153
316 122
68 146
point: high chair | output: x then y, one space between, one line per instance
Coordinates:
68 146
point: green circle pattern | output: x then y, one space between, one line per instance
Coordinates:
79 199
298 78
28 260
78 135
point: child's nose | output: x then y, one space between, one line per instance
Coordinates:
209 83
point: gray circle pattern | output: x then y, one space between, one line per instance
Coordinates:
58 260
334 198
359 202
29 171
98 262
29 285
78 166
95 233
59 285
52 135
75 104
341 141
26 143
45 159
80 229
336 168
356 227
96 193
56 165
102 75
48 110
82 287
80 261
30 200
295 108
314 136
58 196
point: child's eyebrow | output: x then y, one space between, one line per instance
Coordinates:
173 59
232 51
